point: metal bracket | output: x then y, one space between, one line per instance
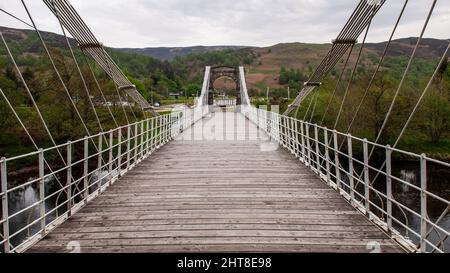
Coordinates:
90 45
344 41
312 83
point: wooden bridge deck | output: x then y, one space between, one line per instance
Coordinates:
218 196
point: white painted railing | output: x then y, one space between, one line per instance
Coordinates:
343 162
225 102
101 160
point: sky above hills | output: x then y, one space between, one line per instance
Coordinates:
151 23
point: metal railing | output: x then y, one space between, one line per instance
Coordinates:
406 207
225 102
341 160
91 165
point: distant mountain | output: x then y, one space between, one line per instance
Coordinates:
263 63
428 48
169 53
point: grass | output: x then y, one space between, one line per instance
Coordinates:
266 72
176 101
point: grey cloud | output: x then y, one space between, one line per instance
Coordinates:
139 23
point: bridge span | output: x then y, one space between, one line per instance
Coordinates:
234 191
201 179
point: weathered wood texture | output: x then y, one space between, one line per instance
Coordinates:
222 194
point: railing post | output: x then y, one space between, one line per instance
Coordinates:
164 130
184 120
119 152
159 134
273 131
152 135
388 187
302 132
316 139
5 212
280 129
86 169
99 162
110 159
169 128
423 203
327 155
293 136
366 176
287 133
350 167
42 191
297 150
278 123
69 178
166 122
336 160
308 145
147 135
142 139
128 146
136 141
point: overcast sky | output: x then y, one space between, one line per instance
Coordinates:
151 23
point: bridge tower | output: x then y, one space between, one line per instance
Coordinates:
237 74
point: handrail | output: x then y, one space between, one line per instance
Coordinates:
318 148
120 154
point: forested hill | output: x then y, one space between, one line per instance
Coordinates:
173 68
277 67
170 53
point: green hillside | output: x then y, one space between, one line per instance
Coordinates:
277 67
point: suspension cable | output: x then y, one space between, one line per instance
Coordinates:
79 72
58 74
15 17
444 57
315 105
27 132
380 63
391 107
30 95
99 88
416 107
309 106
353 28
352 76
337 85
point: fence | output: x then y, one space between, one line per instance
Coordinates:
397 203
70 175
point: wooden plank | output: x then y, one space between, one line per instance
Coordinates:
229 233
157 221
75 227
225 248
217 240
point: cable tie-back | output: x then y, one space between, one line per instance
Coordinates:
345 41
312 83
83 46
125 87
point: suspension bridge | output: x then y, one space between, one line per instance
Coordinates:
205 180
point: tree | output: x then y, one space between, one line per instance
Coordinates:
436 114
436 109
378 100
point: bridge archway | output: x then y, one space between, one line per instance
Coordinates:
219 72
